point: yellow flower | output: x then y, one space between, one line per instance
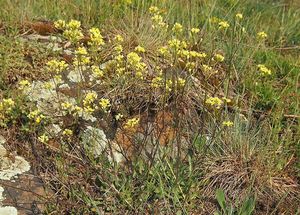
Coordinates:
177 28
67 132
119 38
72 32
264 70
197 54
181 82
219 57
195 30
133 58
81 51
223 25
120 71
82 60
177 44
158 22
139 49
206 68
169 84
134 61
73 24
66 106
58 79
89 98
227 123
132 122
190 66
23 84
43 138
239 16
262 35
48 85
60 24
88 109
214 101
39 118
36 115
56 66
156 82
118 49
153 9
163 51
104 103
119 116
97 72
95 37
7 105
77 110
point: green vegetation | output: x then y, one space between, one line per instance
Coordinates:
161 107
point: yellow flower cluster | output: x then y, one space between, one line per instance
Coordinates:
215 102
133 58
88 102
118 49
181 82
67 106
223 25
239 16
131 123
157 82
264 70
134 61
219 57
154 10
215 20
177 28
43 138
71 30
36 116
185 54
207 68
97 72
60 24
163 51
139 49
195 30
157 19
73 24
119 39
82 57
227 123
68 132
56 66
262 35
7 105
104 104
48 85
177 44
76 110
119 116
96 39
81 51
169 85
24 84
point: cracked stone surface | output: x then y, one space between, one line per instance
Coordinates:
9 170
21 192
